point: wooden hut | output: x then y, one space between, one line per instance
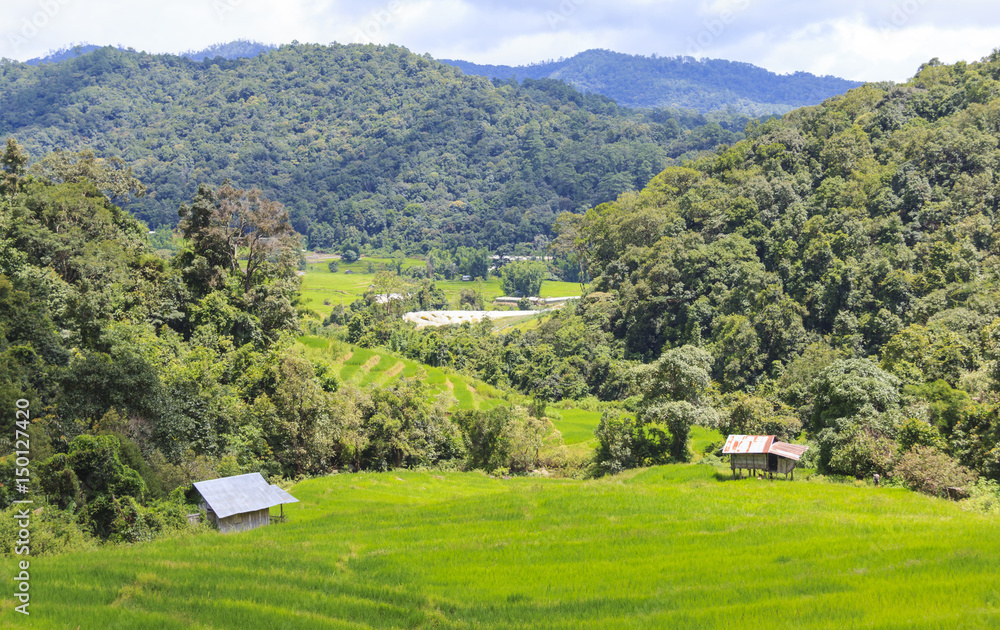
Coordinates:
764 453
241 502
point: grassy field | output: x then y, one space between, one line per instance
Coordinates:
319 285
667 547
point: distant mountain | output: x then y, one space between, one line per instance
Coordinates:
679 82
364 144
238 49
230 50
69 52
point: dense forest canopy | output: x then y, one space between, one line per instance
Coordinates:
836 272
365 145
842 260
682 82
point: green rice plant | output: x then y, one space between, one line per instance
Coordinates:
351 366
385 362
577 425
319 285
667 547
461 393
412 370
701 438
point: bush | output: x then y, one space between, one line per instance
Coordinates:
52 531
756 416
615 435
930 471
523 277
984 497
333 266
914 432
500 438
471 299
862 454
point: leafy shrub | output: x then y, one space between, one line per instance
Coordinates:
930 471
915 432
615 435
333 266
862 454
757 416
52 531
984 496
503 437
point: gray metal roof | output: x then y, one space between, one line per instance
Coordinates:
241 493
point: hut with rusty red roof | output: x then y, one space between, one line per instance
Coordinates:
754 453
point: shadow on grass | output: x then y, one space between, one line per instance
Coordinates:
728 476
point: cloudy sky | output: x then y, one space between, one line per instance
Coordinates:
874 40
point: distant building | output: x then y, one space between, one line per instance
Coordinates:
762 452
241 502
466 278
348 271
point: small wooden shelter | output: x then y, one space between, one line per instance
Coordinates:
241 502
762 452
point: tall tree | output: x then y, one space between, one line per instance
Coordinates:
229 223
13 163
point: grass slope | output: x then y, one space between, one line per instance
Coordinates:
667 547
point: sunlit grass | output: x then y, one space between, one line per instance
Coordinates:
577 425
668 547
359 357
319 285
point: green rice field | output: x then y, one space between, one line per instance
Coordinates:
667 547
319 285
363 367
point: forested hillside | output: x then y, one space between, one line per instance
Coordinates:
681 82
835 272
842 261
363 144
136 371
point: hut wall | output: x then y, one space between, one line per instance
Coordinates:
786 465
245 521
755 461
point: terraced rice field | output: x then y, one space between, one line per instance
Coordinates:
363 367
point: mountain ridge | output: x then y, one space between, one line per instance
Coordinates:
682 82
362 143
